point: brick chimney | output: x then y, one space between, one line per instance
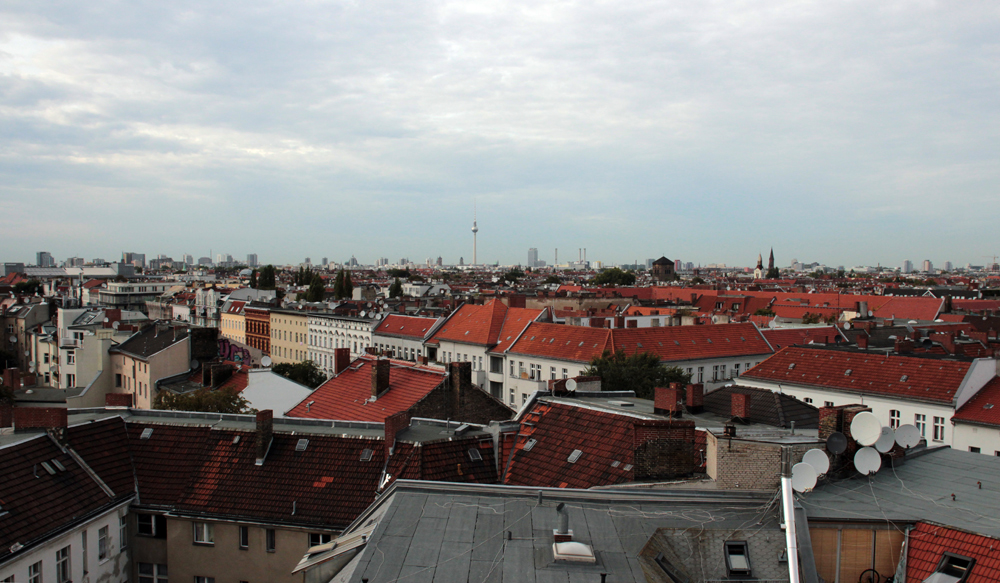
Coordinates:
668 400
904 346
740 405
265 432
695 398
12 379
863 341
380 377
459 381
118 400
946 340
28 418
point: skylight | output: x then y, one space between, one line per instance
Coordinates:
475 456
146 433
847 372
574 456
366 455
903 378
530 444
302 445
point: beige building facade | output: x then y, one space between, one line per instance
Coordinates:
289 336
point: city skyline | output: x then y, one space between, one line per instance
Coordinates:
704 132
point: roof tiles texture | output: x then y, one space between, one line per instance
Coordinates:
766 407
413 327
928 542
444 461
984 407
347 396
903 376
781 337
474 324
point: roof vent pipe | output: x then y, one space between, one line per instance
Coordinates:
563 533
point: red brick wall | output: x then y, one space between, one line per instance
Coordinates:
695 394
12 379
341 359
668 399
740 405
393 425
118 400
39 418
6 416
663 449
380 376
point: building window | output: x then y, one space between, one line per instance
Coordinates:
921 422
102 543
701 374
565 373
35 573
808 400
118 380
939 429
204 533
955 567
63 572
70 357
737 559
270 540
894 418
122 533
83 555
318 538
828 403
200 579
45 358
736 370
244 537
152 573
70 381
974 450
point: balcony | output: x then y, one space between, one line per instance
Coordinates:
70 343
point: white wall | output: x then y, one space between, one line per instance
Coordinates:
987 439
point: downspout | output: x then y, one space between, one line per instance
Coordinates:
788 510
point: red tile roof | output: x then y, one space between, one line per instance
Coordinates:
165 462
781 337
517 319
928 542
444 461
670 343
474 324
927 379
346 396
557 430
983 407
413 327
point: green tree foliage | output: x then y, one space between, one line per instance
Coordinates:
303 276
317 289
396 289
764 312
640 372
810 318
32 286
348 286
614 277
697 281
513 275
397 272
204 400
552 279
305 373
253 279
267 278
773 273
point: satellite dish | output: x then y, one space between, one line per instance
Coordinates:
847 325
13 339
907 436
195 364
867 461
886 440
27 352
31 366
836 443
378 316
870 313
818 459
107 319
803 477
116 325
772 324
570 384
362 314
866 428
266 361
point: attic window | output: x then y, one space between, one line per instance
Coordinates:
236 440
146 433
467 332
903 378
581 344
709 340
302 445
639 344
791 366
48 468
574 456
628 467
677 343
531 443
952 569
366 455
615 464
737 559
847 372
475 456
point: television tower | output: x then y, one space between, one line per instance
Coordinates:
475 230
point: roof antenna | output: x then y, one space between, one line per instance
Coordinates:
540 496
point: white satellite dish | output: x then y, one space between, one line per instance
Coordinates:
266 361
907 436
31 366
818 459
886 440
866 428
27 352
870 313
107 319
803 477
867 461
847 325
378 316
362 314
116 325
13 339
570 384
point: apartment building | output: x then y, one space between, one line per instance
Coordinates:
289 336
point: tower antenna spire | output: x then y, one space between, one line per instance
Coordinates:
475 229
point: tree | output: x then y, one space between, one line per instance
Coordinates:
513 275
348 285
204 400
773 273
305 373
396 289
810 318
396 272
640 372
317 289
267 279
764 312
697 280
32 286
552 279
253 279
614 277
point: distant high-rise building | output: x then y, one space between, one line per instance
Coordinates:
440 262
252 260
44 259
907 266
461 261
188 259
324 261
678 265
204 261
928 266
948 266
532 257
649 263
308 261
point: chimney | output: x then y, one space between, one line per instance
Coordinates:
863 341
380 377
904 346
668 400
740 405
265 431
460 381
695 398
562 534
12 379
946 340
341 359
29 418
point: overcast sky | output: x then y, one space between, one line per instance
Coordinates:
840 132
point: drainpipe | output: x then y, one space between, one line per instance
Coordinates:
788 508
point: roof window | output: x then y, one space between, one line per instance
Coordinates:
737 559
574 456
58 465
302 445
951 569
530 444
791 366
48 468
847 372
615 464
366 455
146 433
474 455
903 378
236 439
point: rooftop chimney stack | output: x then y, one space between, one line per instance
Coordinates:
341 359
265 433
380 377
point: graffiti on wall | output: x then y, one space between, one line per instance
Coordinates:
237 352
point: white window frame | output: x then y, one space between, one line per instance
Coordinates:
894 418
64 571
103 543
204 533
920 421
938 428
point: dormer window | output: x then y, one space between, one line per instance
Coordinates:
737 559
